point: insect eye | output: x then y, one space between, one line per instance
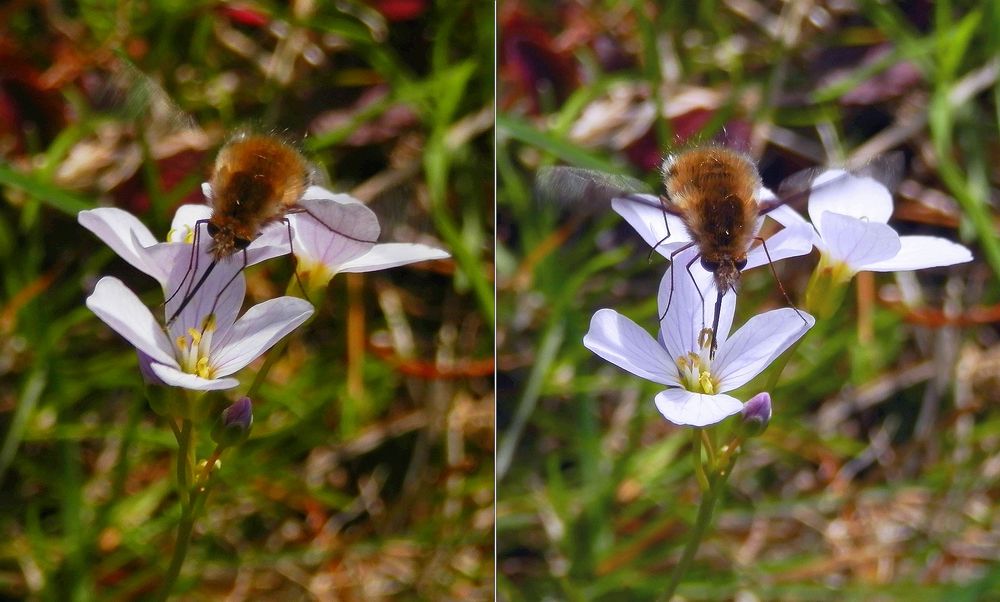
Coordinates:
710 266
241 243
741 263
212 229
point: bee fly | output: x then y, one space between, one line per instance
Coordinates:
715 192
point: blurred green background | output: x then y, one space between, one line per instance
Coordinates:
369 474
877 479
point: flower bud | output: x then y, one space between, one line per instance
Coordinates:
233 425
756 414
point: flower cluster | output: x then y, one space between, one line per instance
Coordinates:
208 341
848 226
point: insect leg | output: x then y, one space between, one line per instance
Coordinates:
194 291
230 281
192 261
774 272
671 295
291 249
666 225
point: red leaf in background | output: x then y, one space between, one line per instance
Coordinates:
645 152
530 66
242 14
26 103
400 10
691 123
133 195
736 135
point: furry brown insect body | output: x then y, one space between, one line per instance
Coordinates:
714 192
256 180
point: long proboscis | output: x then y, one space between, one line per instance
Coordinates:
191 294
715 323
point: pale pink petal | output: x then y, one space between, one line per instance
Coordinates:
840 192
794 240
257 331
685 408
274 241
652 222
756 344
125 234
176 378
333 230
764 194
390 255
120 309
168 255
184 220
622 342
857 242
919 252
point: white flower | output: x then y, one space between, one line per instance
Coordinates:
680 357
205 343
322 252
852 236
203 346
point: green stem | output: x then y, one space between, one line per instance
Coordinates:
180 552
704 519
185 470
699 467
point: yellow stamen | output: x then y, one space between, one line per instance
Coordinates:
203 369
705 381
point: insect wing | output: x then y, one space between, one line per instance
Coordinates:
136 98
794 190
587 190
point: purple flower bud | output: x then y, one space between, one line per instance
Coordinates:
233 425
756 414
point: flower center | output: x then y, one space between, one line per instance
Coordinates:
194 347
695 367
314 275
187 234
836 270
